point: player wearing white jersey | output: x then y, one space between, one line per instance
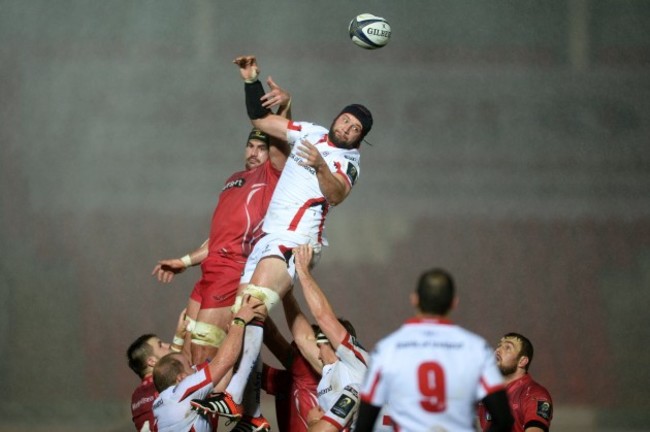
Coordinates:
430 372
177 382
298 204
319 173
172 407
341 360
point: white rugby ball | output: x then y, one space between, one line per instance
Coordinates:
369 31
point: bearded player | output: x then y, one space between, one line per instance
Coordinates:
530 402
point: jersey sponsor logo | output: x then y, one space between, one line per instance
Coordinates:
234 183
352 173
157 404
429 344
300 162
544 409
325 390
352 158
141 402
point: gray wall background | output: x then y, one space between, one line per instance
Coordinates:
510 146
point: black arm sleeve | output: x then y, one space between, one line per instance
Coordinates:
254 92
499 409
367 417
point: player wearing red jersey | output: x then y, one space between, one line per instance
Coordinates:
530 402
342 360
143 354
430 372
235 227
294 387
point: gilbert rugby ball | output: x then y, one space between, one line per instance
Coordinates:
369 31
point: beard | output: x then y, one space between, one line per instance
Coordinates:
339 142
251 163
507 369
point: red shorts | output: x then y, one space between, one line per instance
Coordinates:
219 282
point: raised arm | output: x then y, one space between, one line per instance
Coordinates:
278 148
276 343
231 347
260 115
318 304
302 332
167 268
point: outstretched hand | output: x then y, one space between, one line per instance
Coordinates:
166 269
181 325
303 255
247 67
276 97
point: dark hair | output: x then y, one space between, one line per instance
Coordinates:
526 347
362 114
166 371
345 323
348 327
138 353
436 292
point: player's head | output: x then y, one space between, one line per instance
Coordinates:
514 352
326 352
170 370
435 293
145 352
351 126
257 148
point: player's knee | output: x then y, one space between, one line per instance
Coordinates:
269 297
206 334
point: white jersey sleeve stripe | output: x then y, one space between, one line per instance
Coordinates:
194 388
355 350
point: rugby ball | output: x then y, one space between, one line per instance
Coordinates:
369 31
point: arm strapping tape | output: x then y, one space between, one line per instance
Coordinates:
254 92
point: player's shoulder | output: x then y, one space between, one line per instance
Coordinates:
538 389
306 128
236 175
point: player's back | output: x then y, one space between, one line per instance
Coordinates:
431 372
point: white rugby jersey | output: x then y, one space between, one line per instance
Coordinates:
350 370
172 407
298 204
431 373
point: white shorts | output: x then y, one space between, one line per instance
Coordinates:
279 245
